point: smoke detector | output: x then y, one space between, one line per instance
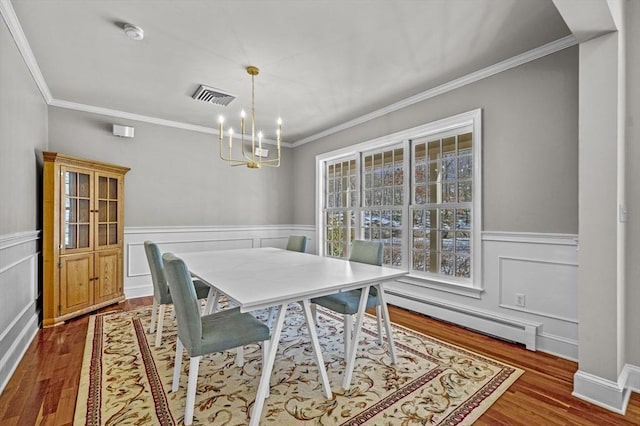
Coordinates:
212 96
133 32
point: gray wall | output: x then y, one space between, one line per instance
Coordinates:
23 135
633 183
176 177
530 145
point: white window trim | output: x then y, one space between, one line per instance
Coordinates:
471 118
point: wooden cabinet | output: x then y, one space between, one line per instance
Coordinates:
83 224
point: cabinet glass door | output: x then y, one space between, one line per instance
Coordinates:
108 210
76 209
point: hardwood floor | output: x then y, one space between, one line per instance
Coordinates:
44 386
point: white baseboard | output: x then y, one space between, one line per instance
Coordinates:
138 291
558 346
632 373
613 396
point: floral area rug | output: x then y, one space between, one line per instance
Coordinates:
126 380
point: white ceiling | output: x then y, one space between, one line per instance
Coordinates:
322 63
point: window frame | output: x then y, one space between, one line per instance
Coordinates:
472 119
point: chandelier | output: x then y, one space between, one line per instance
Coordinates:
254 159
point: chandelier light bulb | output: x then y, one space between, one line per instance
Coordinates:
252 158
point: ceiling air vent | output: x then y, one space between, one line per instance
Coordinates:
212 96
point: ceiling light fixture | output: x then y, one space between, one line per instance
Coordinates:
253 161
133 32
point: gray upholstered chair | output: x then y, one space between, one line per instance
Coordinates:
201 335
161 294
297 243
347 302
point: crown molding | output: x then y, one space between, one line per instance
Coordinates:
8 13
146 119
11 19
505 65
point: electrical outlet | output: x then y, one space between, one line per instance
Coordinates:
520 299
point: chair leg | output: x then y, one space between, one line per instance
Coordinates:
348 327
379 318
265 351
314 313
194 364
161 310
272 315
173 314
177 366
240 356
154 315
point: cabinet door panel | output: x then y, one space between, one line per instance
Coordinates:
109 273
76 284
76 210
110 213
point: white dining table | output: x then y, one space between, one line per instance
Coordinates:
260 278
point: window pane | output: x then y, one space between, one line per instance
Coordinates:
434 150
463 219
418 263
388 197
420 173
447 218
421 194
398 175
465 167
463 240
447 264
465 192
449 192
449 147
449 167
464 143
447 242
418 218
398 196
463 266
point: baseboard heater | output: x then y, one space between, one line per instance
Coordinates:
490 323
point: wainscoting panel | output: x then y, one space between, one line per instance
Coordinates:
137 280
544 287
18 305
529 292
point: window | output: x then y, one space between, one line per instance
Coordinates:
340 199
442 205
382 217
417 191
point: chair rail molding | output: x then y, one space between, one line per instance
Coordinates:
177 239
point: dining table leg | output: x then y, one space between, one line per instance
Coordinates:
313 334
212 301
267 367
353 349
387 323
